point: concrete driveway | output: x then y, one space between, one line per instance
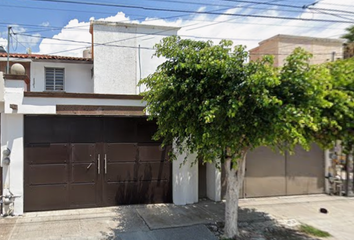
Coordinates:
167 221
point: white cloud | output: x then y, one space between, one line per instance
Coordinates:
119 17
78 33
3 42
45 24
73 31
243 30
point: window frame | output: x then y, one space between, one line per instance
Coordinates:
54 82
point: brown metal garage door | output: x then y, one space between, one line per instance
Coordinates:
74 162
272 174
265 173
305 171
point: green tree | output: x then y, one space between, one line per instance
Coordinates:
339 118
349 36
207 99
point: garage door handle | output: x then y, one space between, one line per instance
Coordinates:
105 163
99 164
88 167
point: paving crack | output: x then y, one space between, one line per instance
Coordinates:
136 210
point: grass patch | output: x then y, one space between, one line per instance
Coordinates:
313 231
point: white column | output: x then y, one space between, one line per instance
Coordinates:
12 138
185 180
213 178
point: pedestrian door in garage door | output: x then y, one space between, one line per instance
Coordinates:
74 162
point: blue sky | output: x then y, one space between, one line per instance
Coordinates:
35 20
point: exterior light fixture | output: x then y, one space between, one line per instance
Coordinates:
6 161
6 152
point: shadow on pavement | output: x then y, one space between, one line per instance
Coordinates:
255 224
204 220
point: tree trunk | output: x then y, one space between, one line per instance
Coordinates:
234 178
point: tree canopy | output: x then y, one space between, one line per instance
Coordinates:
349 35
209 97
339 118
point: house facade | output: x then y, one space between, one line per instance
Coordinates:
73 130
74 134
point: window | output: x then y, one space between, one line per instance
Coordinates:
54 79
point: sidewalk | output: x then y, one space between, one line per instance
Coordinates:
138 222
167 221
338 222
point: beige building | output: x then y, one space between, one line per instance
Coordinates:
280 46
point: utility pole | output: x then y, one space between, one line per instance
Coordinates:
333 56
8 50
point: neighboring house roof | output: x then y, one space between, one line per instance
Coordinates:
288 37
45 57
283 37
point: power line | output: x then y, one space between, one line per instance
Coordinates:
58 28
59 9
147 21
341 5
203 12
181 35
229 20
135 37
186 36
229 6
140 36
282 5
84 28
149 48
203 2
194 3
324 12
124 39
333 14
57 39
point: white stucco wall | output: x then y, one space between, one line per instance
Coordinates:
213 179
116 55
12 138
148 62
77 76
185 179
2 87
34 105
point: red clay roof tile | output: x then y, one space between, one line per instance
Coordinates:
49 57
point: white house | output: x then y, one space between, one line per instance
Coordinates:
76 131
74 134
